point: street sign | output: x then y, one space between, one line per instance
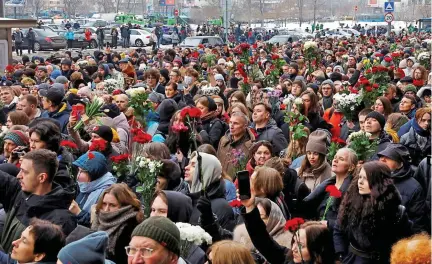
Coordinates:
388 17
355 8
389 7
176 12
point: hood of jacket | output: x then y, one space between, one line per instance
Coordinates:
64 109
121 121
270 124
403 173
166 110
58 198
179 207
101 183
105 69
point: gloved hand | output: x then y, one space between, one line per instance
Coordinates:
204 206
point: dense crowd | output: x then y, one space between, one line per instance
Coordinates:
135 157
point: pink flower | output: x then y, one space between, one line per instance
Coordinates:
179 128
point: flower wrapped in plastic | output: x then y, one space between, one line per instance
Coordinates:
191 235
347 103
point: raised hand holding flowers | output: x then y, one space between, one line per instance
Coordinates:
293 226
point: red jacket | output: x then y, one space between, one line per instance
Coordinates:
87 35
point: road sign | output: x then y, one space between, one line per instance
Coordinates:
388 17
176 12
355 8
389 7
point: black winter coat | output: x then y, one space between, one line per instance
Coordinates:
220 206
295 190
274 135
212 131
315 203
412 196
423 176
20 207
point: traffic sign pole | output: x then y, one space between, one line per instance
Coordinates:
388 9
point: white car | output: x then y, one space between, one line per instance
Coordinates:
350 31
140 37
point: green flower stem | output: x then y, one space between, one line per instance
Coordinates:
329 202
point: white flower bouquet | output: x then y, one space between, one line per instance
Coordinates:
138 102
312 55
191 235
310 45
146 171
347 104
111 85
362 145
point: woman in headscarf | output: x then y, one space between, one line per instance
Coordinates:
204 177
212 127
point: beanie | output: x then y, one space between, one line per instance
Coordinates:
104 132
219 77
317 142
17 137
161 230
156 97
294 65
94 163
90 249
110 110
379 117
410 88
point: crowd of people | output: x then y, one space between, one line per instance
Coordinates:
331 180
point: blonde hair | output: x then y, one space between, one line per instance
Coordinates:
412 250
230 252
268 181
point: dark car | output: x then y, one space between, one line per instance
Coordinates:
283 39
46 39
193 42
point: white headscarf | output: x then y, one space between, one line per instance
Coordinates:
211 169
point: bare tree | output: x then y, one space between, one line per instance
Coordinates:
300 7
71 6
106 6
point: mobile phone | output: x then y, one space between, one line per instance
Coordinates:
244 185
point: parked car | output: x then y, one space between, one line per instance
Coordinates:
46 39
193 42
337 33
282 39
96 23
140 37
351 31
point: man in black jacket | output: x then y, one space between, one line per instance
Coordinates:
397 158
33 194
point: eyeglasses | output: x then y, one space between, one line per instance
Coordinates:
144 252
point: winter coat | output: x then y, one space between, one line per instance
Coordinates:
31 36
422 175
274 135
175 38
313 177
220 207
100 34
227 145
123 130
383 140
335 119
20 207
412 196
61 116
417 141
378 247
261 239
166 110
295 190
70 35
90 194
160 89
10 107
18 37
212 131
63 177
315 203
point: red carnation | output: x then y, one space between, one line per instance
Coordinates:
91 156
368 88
235 203
294 224
388 59
120 158
418 83
68 144
117 92
272 67
192 112
9 69
142 138
379 55
244 46
395 54
98 145
368 71
374 69
275 57
333 191
282 107
255 46
375 85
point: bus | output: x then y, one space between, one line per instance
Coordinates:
370 18
129 18
424 24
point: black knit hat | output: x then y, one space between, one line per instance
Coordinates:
110 110
104 132
211 104
379 117
161 230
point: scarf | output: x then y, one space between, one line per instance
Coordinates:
276 219
393 134
209 115
113 223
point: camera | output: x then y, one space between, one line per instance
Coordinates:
19 151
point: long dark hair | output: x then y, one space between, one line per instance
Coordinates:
371 213
255 148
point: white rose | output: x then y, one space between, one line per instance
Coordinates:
115 168
141 164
